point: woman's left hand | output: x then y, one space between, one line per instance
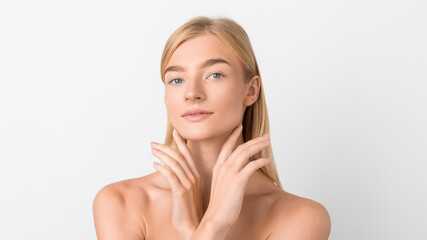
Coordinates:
181 172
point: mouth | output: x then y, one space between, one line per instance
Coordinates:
195 112
196 115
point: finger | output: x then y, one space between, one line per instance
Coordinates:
185 151
244 151
228 146
170 176
175 155
226 150
174 166
241 156
251 167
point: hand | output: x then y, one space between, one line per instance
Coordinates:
230 176
184 179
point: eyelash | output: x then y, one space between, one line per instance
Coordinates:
209 75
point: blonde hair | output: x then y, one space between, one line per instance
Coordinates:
255 120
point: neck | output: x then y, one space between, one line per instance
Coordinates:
205 153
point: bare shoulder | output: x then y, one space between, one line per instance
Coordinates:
118 209
299 218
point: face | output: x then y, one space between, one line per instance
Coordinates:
194 82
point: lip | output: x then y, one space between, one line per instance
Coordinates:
197 118
193 111
202 115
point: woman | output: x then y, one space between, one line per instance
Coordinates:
218 180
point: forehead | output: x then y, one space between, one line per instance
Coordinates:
198 49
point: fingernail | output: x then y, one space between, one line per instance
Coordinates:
153 143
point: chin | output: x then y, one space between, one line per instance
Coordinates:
202 133
195 133
209 128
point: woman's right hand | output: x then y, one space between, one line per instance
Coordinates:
181 172
230 176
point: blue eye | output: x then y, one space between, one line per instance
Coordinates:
174 80
213 74
217 75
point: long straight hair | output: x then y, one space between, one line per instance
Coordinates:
255 119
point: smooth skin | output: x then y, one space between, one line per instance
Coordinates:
230 175
207 189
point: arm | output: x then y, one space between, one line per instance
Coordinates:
209 230
229 178
112 217
310 222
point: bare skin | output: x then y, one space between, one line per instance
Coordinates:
142 208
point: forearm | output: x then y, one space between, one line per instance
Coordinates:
208 230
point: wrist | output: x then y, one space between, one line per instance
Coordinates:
213 225
209 230
186 234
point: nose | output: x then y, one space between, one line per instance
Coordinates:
195 91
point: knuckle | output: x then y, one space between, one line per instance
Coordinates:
196 177
245 147
187 186
254 141
253 164
174 167
261 162
157 152
180 191
181 158
174 164
169 173
265 144
234 167
221 169
240 148
192 179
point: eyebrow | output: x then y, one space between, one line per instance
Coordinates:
206 63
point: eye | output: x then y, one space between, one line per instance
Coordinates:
174 80
216 74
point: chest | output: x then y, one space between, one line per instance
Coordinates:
253 223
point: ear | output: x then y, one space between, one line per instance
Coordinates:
252 90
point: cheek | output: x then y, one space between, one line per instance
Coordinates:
229 101
171 104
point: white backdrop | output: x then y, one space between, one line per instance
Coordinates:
345 81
